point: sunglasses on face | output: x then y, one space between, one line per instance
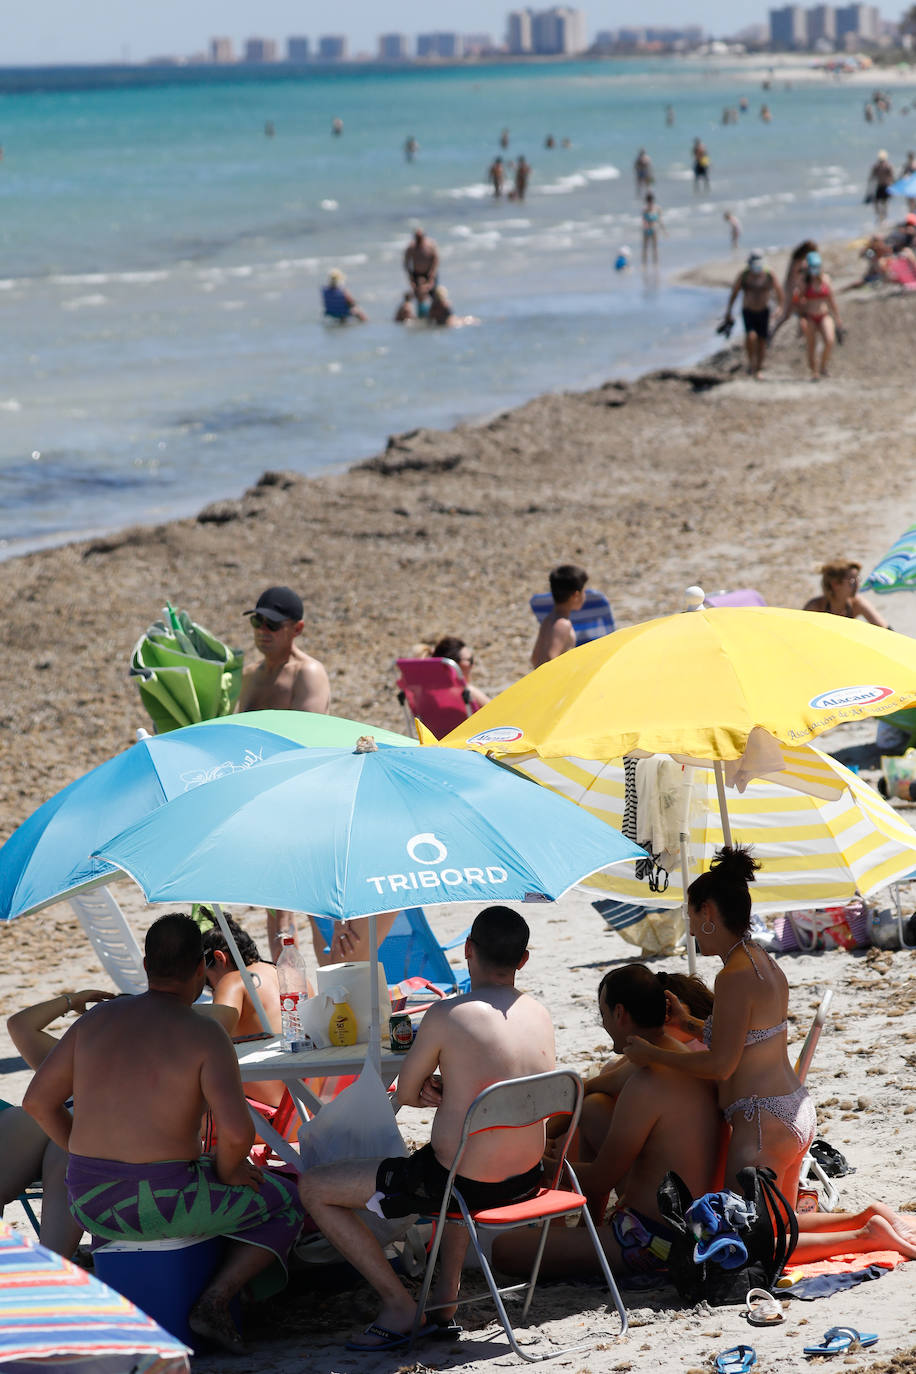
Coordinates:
259 623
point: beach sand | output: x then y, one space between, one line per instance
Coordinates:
691 475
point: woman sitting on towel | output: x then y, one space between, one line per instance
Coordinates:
770 1113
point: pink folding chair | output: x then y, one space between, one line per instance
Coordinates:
434 691
901 271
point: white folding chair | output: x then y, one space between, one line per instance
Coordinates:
510 1104
831 1194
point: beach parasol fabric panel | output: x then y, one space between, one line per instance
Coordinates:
815 853
51 1309
896 571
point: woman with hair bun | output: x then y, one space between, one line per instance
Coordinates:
770 1113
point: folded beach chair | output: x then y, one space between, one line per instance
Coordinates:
742 596
184 673
112 938
901 271
411 950
434 691
593 621
810 1165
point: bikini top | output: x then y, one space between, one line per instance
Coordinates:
812 292
753 1037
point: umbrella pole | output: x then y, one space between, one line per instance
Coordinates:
688 938
240 965
723 807
375 1032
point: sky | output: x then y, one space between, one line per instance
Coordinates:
60 31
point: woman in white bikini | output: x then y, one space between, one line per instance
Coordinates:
770 1113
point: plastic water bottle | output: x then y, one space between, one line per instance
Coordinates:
293 996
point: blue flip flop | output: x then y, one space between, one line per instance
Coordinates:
839 1340
386 1339
737 1360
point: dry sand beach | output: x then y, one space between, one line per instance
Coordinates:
692 475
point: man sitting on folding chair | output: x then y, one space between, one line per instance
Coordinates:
492 1033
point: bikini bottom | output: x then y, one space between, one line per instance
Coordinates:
795 1110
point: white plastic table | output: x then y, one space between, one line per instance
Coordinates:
266 1059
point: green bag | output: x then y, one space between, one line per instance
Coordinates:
184 673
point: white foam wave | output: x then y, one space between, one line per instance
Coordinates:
839 188
84 302
12 404
330 205
232 305
506 223
7 285
606 173
478 191
563 186
354 259
461 231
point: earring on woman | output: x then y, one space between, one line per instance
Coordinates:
710 931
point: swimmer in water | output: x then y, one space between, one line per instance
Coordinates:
734 228
339 304
651 227
337 128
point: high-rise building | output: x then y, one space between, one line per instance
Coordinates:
858 21
221 50
821 25
297 50
393 47
260 50
443 45
518 31
332 48
789 27
475 44
558 31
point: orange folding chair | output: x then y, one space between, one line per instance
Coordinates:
508 1105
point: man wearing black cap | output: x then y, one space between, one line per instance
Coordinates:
286 679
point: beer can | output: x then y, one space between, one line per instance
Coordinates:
400 1032
807 1201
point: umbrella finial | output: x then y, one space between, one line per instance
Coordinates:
366 745
694 598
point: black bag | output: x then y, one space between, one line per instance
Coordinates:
769 1241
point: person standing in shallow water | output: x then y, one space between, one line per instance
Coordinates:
652 226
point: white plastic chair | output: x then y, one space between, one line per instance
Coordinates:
515 1103
112 938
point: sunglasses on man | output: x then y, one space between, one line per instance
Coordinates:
259 623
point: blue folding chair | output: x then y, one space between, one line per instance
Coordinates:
592 621
411 950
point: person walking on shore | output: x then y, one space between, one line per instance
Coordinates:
757 285
880 178
820 319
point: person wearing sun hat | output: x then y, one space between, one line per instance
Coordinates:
880 179
339 304
817 309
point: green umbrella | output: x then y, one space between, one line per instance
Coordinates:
184 673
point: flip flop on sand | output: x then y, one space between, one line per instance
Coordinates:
763 1309
737 1360
840 1340
444 1330
384 1339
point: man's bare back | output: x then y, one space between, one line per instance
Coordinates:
555 636
475 1040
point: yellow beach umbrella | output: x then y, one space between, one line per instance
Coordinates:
715 684
813 852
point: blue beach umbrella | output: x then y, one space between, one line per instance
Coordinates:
48 857
345 834
906 186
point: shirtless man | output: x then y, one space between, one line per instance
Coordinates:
421 263
757 284
491 1033
286 679
880 179
657 1124
497 176
142 1071
556 633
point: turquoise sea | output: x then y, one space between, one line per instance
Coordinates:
160 257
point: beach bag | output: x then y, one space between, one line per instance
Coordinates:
836 927
769 1239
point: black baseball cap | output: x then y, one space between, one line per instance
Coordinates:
278 604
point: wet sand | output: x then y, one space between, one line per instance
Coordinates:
691 475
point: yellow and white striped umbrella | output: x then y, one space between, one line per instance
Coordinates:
814 852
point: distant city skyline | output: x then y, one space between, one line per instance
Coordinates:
59 32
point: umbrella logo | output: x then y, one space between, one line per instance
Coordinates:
498 734
849 696
426 841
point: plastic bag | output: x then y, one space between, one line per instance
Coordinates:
358 1124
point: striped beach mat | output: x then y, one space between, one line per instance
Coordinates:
896 571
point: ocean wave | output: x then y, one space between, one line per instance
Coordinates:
563 186
84 302
330 205
229 418
479 190
839 188
12 404
506 223
607 173
6 284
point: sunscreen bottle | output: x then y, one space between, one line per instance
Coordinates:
342 1025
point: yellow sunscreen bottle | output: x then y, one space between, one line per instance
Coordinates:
342 1025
